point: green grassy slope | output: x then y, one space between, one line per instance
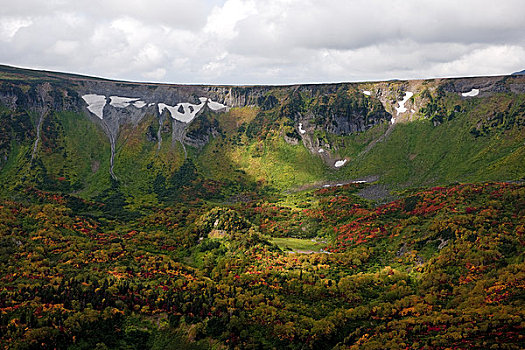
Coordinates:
415 153
72 156
419 153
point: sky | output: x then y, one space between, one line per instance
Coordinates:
265 41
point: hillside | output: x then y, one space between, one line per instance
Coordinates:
404 133
373 215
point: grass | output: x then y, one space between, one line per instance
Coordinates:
297 244
269 160
279 164
419 153
87 153
414 154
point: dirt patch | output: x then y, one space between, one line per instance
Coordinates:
240 198
378 192
217 234
95 165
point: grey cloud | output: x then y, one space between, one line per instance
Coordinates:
188 14
344 24
265 41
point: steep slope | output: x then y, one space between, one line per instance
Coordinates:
79 134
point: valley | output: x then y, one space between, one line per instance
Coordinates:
364 215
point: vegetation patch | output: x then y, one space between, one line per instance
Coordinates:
299 245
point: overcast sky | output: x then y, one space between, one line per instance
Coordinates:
265 41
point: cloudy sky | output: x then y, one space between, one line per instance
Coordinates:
265 41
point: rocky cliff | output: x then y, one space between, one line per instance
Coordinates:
318 116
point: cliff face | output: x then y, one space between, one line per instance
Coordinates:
111 105
171 115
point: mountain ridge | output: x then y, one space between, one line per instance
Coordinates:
14 69
340 126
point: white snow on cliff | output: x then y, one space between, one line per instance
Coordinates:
121 102
139 104
184 112
340 163
402 108
216 106
301 130
95 103
471 93
367 93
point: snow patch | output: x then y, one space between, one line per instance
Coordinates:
216 106
367 93
139 104
96 104
188 113
402 108
471 93
121 102
301 130
320 150
340 163
346 183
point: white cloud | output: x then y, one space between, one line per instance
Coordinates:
501 59
265 41
223 19
156 74
10 25
150 54
65 47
